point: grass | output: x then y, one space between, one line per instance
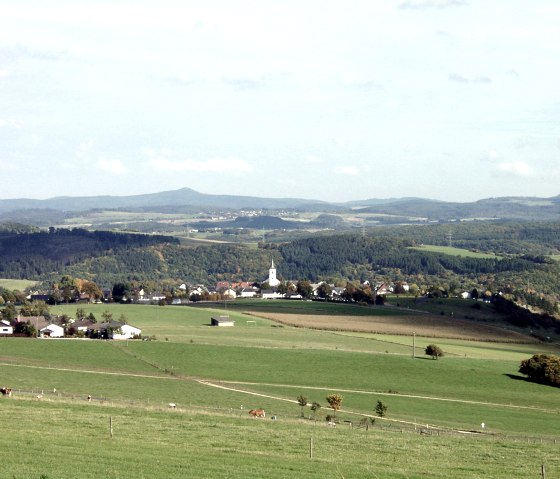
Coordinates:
450 250
19 284
65 440
215 375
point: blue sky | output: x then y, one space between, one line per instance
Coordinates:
455 100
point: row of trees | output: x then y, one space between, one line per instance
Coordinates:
335 403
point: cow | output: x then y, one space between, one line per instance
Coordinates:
6 392
257 413
172 405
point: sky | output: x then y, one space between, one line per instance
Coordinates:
454 100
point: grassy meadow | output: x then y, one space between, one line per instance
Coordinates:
215 375
452 251
19 284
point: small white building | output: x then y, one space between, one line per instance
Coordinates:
52 331
222 321
248 292
127 331
6 328
271 294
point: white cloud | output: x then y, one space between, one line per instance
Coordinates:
425 4
313 159
9 122
515 168
4 73
84 148
228 164
347 170
115 167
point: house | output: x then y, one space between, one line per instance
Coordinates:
222 321
81 326
229 294
6 328
271 294
113 330
248 292
466 295
51 330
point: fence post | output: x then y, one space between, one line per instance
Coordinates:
543 472
311 447
111 426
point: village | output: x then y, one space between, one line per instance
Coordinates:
33 319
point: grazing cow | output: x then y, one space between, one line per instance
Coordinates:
6 392
257 413
172 405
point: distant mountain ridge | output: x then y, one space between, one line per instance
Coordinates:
529 208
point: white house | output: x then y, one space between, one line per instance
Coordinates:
52 331
229 293
248 292
127 331
271 294
5 328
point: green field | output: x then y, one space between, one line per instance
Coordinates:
215 375
19 284
452 251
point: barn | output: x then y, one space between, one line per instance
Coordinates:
222 321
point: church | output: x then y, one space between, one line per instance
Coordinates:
272 280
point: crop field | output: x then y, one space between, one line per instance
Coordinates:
423 325
433 427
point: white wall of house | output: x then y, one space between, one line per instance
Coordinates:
127 332
5 328
52 331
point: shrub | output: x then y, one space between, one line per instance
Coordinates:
434 351
542 368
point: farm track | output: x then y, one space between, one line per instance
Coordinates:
228 385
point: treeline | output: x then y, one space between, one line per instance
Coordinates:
536 238
36 254
316 258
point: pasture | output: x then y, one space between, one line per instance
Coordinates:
215 375
19 284
452 251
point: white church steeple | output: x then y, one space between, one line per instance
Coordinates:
272 280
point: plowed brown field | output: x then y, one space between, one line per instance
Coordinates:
423 325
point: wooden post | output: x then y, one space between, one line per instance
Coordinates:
543 472
413 345
311 447
111 426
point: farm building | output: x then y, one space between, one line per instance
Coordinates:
222 321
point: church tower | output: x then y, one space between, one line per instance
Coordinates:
272 280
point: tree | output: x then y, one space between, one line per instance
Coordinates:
304 288
120 291
542 368
335 401
380 409
302 401
107 316
434 351
80 314
315 407
324 290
